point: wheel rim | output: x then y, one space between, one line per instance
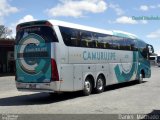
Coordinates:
100 84
87 86
141 77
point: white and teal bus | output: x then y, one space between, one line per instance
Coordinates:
56 56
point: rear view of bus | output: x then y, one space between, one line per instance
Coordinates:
36 67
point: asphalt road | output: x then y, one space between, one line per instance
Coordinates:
128 98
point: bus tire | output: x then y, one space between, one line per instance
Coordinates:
140 78
87 87
99 85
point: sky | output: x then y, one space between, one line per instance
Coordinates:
139 17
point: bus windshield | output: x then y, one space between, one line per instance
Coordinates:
39 30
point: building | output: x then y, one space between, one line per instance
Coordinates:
7 64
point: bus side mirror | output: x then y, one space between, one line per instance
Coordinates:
150 49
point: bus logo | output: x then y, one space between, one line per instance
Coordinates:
31 48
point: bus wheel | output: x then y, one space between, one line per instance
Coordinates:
87 87
99 85
140 78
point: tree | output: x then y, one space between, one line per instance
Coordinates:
2 30
5 31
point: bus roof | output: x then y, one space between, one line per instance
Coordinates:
82 27
77 26
124 34
87 28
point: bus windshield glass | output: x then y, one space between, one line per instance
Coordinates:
47 33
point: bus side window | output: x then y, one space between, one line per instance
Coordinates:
105 40
71 36
122 44
116 42
128 44
100 41
66 35
86 39
78 40
84 43
133 45
95 40
74 37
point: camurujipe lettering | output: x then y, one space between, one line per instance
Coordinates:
38 49
99 55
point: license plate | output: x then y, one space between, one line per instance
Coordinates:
32 86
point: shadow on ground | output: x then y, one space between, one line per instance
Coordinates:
154 115
45 98
122 85
6 74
